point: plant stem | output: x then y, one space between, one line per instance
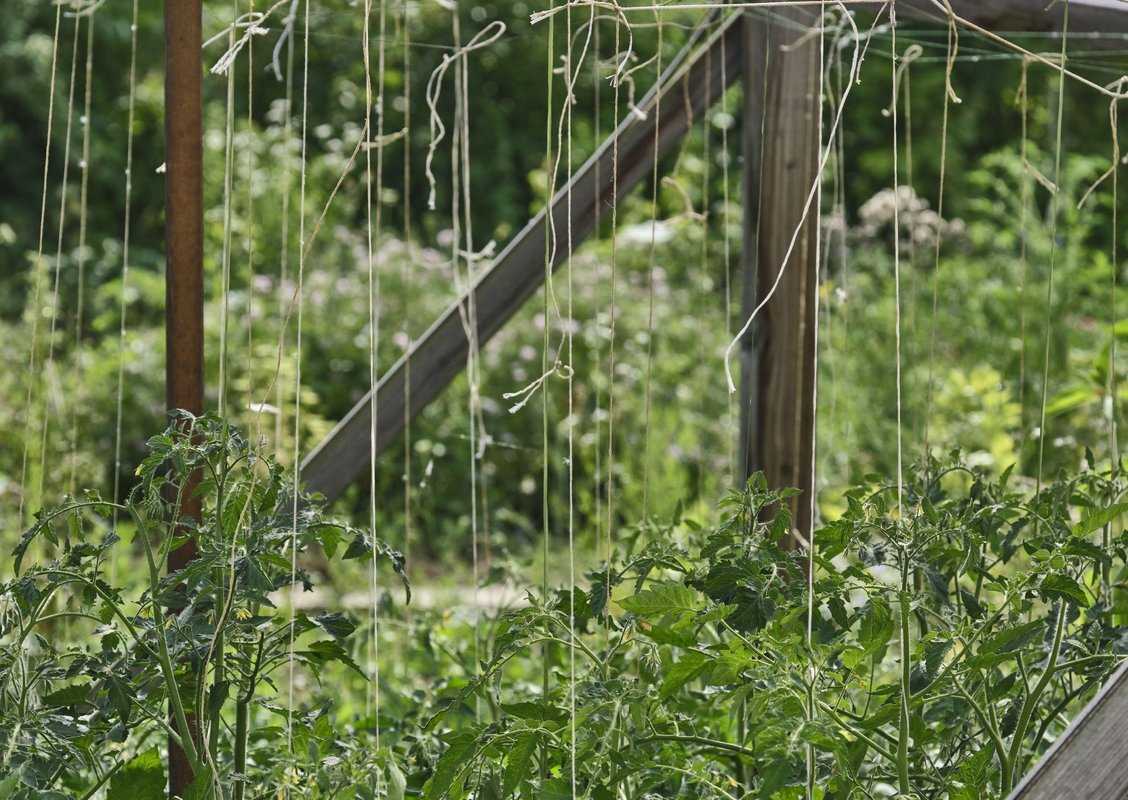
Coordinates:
988 722
240 756
715 744
1031 701
167 671
906 675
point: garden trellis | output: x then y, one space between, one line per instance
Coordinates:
779 54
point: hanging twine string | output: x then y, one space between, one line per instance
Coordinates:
83 255
49 367
123 297
651 268
33 357
855 66
950 97
1054 200
302 252
484 38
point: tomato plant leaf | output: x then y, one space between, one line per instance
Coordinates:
1099 518
663 599
143 778
397 782
461 747
68 696
691 665
519 761
1011 639
335 624
1063 587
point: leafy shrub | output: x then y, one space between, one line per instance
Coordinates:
944 645
87 667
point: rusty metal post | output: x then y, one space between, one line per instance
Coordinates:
184 253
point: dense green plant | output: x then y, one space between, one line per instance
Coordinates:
946 641
91 670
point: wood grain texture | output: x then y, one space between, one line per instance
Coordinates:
1089 761
1109 17
440 354
184 267
782 138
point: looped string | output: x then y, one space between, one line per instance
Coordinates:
855 66
485 37
526 394
251 21
1118 86
911 54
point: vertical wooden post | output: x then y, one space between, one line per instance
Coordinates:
184 245
781 155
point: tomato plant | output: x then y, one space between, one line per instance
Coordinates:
88 667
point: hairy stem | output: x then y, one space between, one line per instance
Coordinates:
906 674
1031 702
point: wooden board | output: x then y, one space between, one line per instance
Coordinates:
1089 759
782 138
687 89
1109 18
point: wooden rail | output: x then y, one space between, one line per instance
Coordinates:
1088 759
688 88
1105 22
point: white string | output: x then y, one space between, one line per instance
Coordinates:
298 385
249 240
726 235
224 287
897 263
406 273
484 38
372 231
1054 201
812 765
651 267
285 38
124 294
855 65
569 102
34 355
82 256
49 368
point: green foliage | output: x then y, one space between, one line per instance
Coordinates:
949 641
89 666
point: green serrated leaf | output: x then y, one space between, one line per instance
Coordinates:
461 747
1012 639
876 625
143 778
972 776
663 599
678 674
1099 518
519 764
728 665
534 711
1063 587
68 696
335 624
397 782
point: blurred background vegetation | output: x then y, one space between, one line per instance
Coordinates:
974 324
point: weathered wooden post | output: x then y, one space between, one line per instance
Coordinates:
184 246
782 85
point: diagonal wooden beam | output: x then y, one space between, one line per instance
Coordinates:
689 87
1087 760
1102 23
